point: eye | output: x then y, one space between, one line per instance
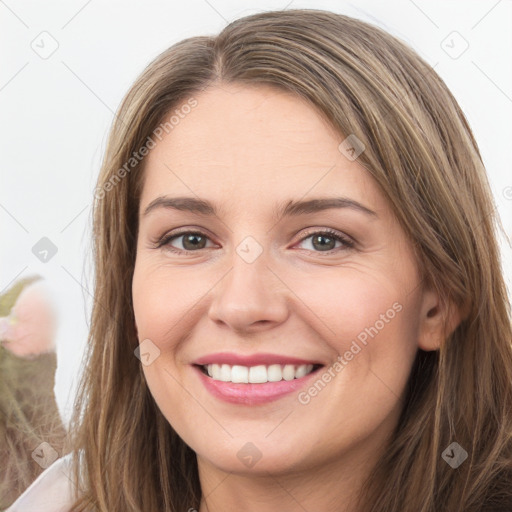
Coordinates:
191 241
325 241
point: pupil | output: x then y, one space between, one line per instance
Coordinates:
324 246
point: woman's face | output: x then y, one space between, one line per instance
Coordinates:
261 284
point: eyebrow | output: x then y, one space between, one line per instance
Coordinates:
292 208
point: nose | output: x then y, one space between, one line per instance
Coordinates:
250 297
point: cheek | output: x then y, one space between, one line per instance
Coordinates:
371 323
350 305
163 300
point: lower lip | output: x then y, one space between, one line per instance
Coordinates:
252 394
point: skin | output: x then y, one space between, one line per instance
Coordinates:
249 150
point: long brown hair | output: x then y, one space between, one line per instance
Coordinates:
421 152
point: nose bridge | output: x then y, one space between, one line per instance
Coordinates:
248 293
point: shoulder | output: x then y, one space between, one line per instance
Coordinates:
51 491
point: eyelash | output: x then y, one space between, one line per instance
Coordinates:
348 243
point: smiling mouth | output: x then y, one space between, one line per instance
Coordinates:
258 374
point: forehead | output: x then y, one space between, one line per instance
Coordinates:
252 143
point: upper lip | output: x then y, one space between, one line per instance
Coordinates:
251 360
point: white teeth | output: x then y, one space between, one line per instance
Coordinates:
225 373
301 371
239 374
288 372
257 374
274 373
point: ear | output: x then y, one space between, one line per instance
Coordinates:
438 319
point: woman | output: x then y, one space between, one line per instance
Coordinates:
299 302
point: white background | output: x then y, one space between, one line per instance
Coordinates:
56 113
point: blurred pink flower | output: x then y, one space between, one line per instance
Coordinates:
30 328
